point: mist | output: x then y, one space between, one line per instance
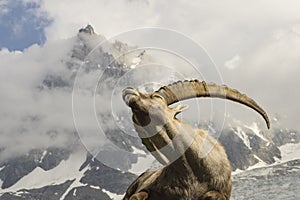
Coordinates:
254 45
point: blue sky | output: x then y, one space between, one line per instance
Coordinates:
21 25
255 45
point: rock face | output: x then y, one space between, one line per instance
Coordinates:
246 147
249 150
14 169
94 180
88 30
88 178
51 192
100 175
86 193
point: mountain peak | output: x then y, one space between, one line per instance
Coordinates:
88 29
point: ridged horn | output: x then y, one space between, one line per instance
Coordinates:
189 89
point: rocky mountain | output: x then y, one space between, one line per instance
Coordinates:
73 173
76 176
249 145
279 181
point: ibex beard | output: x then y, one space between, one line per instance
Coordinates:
195 165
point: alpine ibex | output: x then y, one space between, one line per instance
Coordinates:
196 166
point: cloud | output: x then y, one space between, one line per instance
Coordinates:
31 118
109 18
258 40
3 7
269 74
233 62
21 24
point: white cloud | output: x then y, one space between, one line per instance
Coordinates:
28 115
224 28
265 34
108 17
233 62
3 7
269 74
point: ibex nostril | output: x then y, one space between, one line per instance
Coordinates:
127 93
194 174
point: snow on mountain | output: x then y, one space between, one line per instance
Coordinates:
69 174
80 176
113 196
239 132
290 151
256 130
38 178
14 169
280 181
143 162
43 156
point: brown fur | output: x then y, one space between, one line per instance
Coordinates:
191 175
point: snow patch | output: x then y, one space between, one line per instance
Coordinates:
239 132
237 171
19 193
1 168
76 182
277 160
95 187
289 152
143 162
260 164
113 195
257 131
74 192
38 178
1 182
138 151
43 156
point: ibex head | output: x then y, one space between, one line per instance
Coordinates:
149 108
199 161
154 106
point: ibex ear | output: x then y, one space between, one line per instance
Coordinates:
178 109
139 196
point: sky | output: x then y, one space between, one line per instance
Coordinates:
21 25
255 45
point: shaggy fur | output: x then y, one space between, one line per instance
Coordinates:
196 165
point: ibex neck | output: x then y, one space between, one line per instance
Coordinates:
171 139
